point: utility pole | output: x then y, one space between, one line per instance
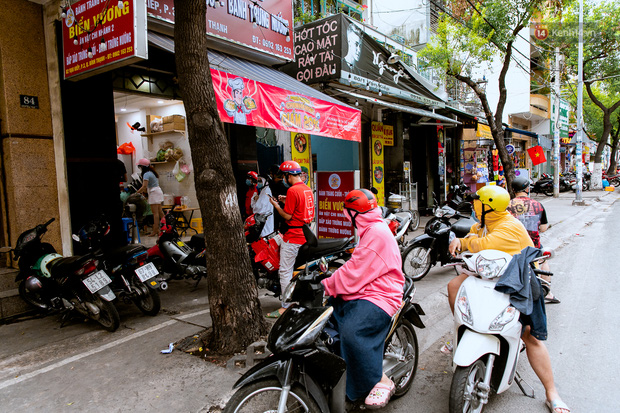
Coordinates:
556 128
578 199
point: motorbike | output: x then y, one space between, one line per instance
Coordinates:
543 186
133 278
613 180
265 252
425 250
487 333
399 222
52 283
304 373
173 257
585 182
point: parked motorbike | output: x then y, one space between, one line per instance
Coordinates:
304 373
585 181
265 252
399 222
49 282
613 180
543 186
424 251
133 278
487 333
175 259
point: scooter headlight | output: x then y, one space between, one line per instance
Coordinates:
489 269
462 303
287 296
504 318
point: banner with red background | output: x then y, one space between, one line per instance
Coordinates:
114 36
331 189
233 20
248 102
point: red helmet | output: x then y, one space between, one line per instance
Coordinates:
290 167
360 200
253 175
144 162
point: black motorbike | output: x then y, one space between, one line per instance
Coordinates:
427 249
50 283
543 186
304 373
133 278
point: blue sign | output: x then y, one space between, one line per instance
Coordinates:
510 149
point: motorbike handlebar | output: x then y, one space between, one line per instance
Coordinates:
49 222
541 272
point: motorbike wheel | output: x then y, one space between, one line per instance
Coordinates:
404 346
415 221
414 264
264 395
32 298
464 389
548 191
147 299
108 315
615 182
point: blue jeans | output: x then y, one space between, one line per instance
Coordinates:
362 327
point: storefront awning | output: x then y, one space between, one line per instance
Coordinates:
272 99
522 132
445 121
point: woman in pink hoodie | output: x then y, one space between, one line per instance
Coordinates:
367 291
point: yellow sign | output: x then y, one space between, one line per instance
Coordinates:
300 149
388 135
378 171
484 131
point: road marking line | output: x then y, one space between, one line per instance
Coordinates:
64 362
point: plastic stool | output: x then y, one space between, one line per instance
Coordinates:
196 223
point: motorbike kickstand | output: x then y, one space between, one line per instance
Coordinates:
519 380
196 285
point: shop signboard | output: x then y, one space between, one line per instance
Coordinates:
562 122
337 49
483 132
388 135
331 189
98 36
248 102
262 26
300 149
378 171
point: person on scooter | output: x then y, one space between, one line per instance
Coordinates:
367 291
251 180
533 216
298 211
501 231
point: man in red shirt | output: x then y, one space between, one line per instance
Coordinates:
298 210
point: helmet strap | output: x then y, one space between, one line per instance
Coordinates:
352 216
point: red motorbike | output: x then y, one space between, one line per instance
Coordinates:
265 252
613 180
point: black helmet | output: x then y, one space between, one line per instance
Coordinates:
520 184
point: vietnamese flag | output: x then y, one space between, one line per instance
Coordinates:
537 155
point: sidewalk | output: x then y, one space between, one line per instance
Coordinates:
47 369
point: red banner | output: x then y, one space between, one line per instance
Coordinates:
106 36
248 102
257 25
332 188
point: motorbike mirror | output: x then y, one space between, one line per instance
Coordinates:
323 266
75 238
5 249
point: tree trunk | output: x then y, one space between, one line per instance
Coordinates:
233 294
613 166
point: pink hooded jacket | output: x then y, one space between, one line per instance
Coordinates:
374 271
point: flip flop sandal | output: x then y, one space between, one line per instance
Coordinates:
379 396
553 300
556 404
273 314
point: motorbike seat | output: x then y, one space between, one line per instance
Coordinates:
462 226
325 246
407 287
119 255
197 242
67 265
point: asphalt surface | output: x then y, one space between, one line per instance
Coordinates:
45 368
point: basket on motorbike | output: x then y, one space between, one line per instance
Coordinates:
398 201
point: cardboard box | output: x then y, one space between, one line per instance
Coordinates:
174 126
174 119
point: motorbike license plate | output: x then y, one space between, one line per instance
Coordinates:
97 281
146 272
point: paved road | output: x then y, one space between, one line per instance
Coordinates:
81 368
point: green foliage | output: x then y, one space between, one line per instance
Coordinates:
303 17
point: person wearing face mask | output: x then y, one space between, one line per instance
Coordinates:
366 293
251 180
261 205
298 211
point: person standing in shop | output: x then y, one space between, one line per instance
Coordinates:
276 184
150 186
298 211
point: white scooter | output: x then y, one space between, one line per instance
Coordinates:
487 334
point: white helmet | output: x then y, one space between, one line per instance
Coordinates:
45 261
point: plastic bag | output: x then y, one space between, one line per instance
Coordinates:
186 169
176 169
126 149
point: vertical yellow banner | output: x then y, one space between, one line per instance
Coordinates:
300 149
378 170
